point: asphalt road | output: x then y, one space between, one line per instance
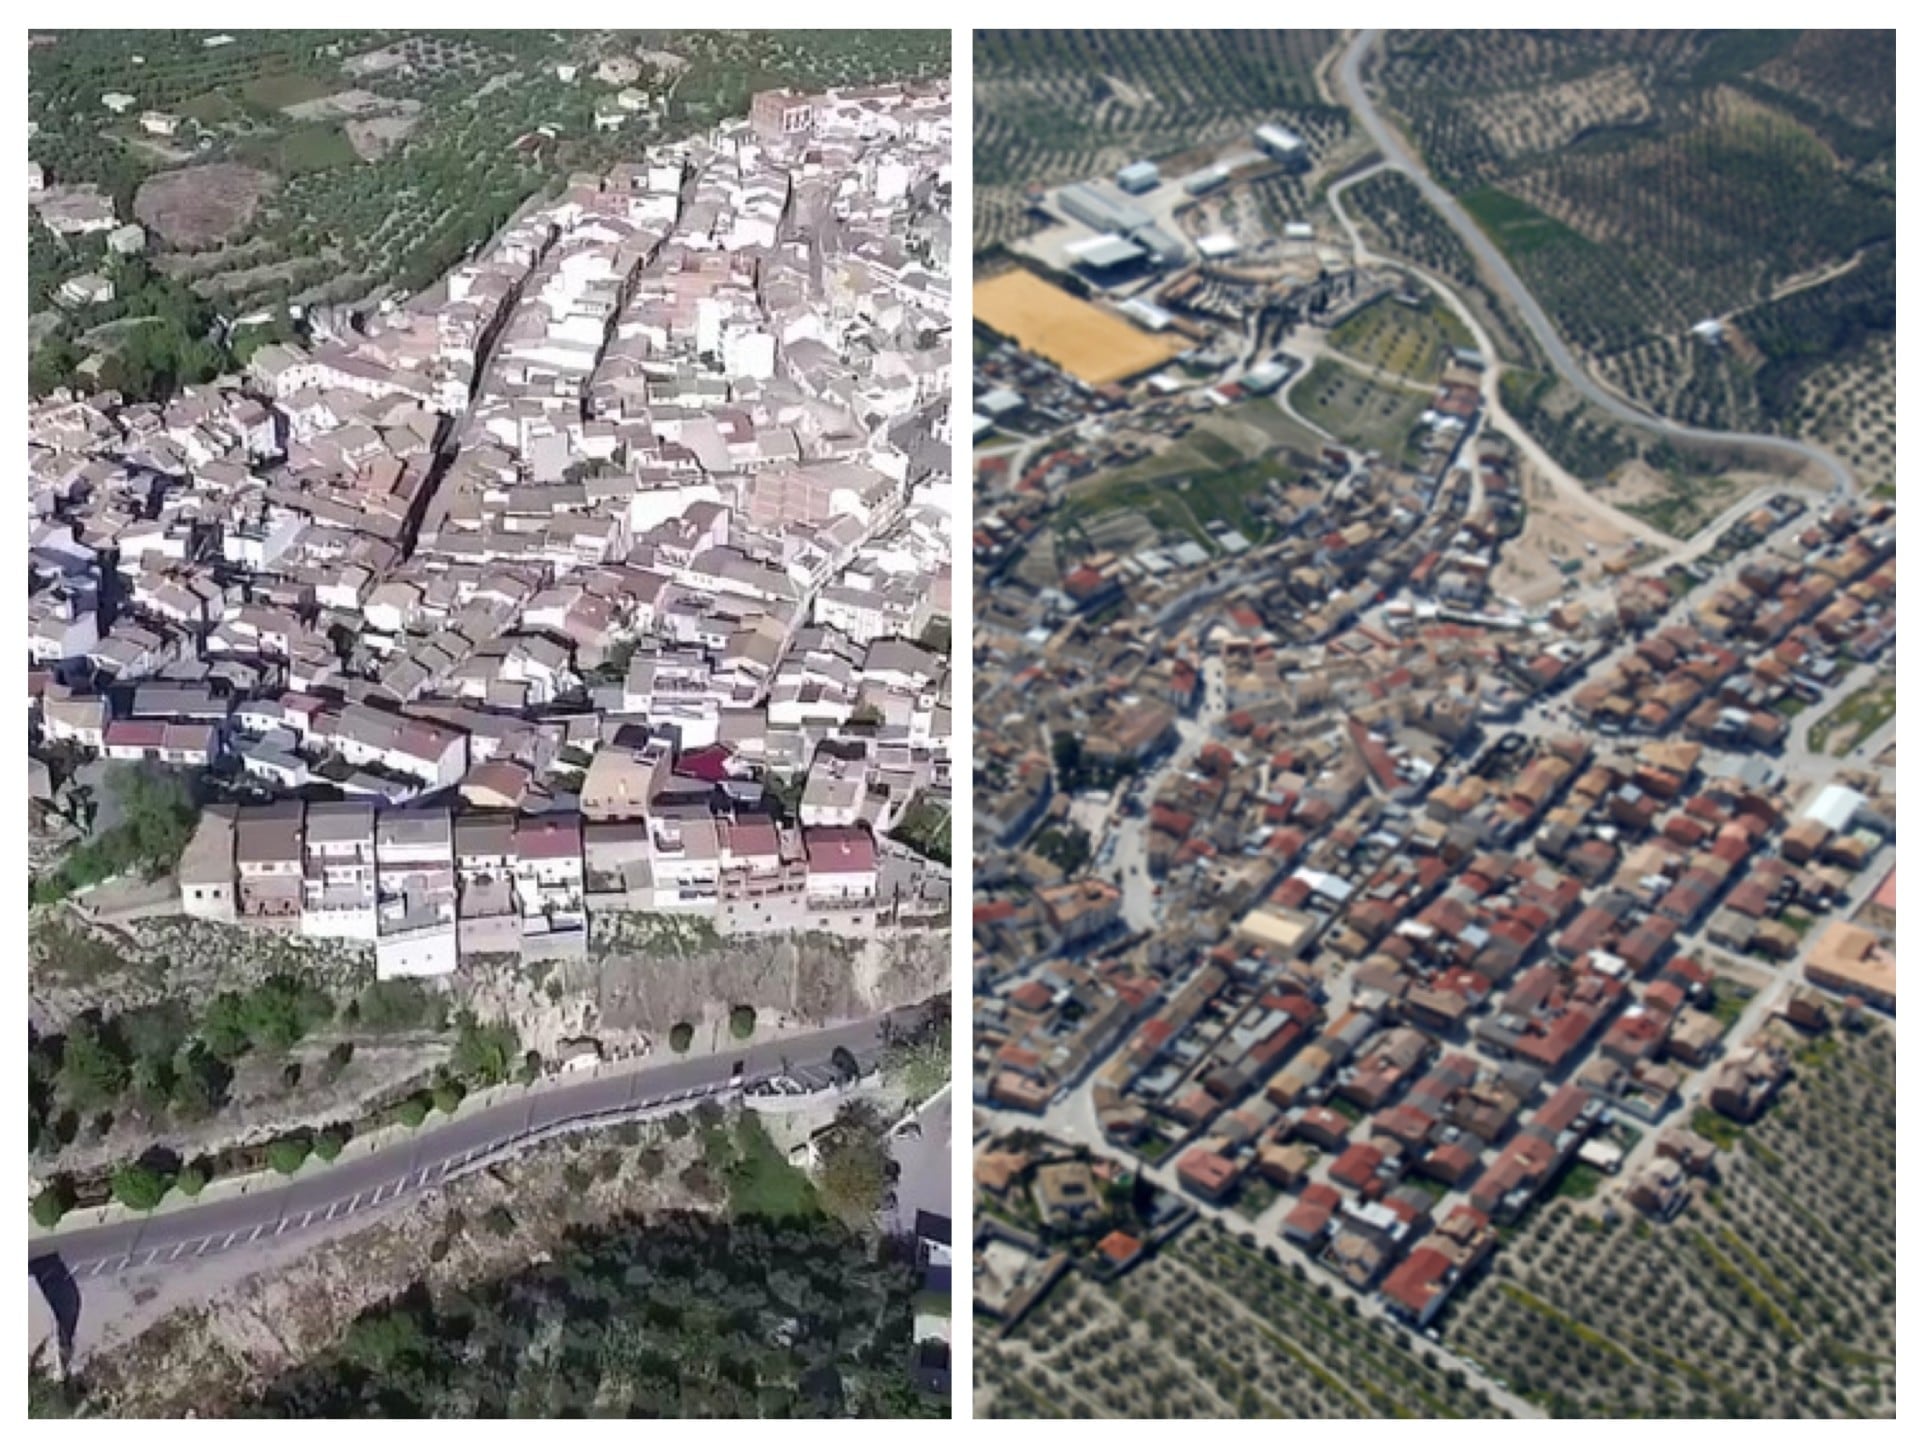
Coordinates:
442 1153
1494 262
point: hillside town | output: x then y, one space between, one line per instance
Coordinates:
612 573
1327 888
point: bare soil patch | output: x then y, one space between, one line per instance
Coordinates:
201 205
1556 531
373 138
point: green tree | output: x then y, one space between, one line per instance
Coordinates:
53 1202
139 1187
289 1154
484 1054
413 1111
741 1022
282 1010
193 1178
398 1005
93 1071
328 1145
853 1175
448 1095
201 1083
52 366
680 1037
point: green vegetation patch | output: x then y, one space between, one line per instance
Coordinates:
760 1180
1414 343
158 815
1578 1182
1515 226
1359 411
927 827
278 91
303 150
1180 491
1862 713
685 1316
1720 1130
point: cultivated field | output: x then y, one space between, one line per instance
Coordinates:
381 157
1400 339
1087 342
1397 221
1369 414
1773 1298
1644 181
1210 1329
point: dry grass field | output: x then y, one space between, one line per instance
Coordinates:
1085 341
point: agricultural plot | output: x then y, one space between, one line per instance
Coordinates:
1058 105
1089 343
1773 1298
1642 182
1399 222
1848 406
1200 483
1403 341
377 159
1368 414
1209 1329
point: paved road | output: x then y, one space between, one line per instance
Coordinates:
442 1153
1494 263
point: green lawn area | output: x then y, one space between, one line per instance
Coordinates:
760 1182
1716 1128
1256 1194
1863 712
1278 426
1180 500
276 92
1729 1001
1578 1181
303 150
1358 411
1400 339
1515 226
216 107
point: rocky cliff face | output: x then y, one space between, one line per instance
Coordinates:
649 973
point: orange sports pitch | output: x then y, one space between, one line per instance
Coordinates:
1082 339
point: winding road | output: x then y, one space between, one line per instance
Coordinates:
1494 264
443 1153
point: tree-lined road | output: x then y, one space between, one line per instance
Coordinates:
1494 264
444 1152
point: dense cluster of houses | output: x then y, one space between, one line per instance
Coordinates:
653 491
1453 895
